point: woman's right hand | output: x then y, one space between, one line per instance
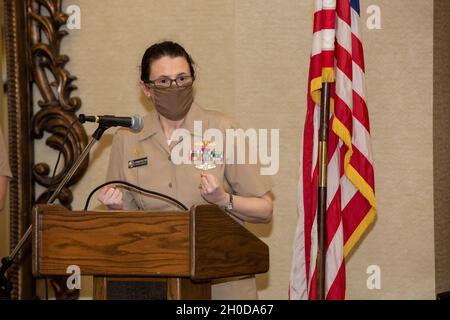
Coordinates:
111 197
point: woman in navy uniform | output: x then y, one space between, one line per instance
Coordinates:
167 77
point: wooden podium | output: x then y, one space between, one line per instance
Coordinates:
169 255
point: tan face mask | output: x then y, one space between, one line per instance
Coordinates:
173 103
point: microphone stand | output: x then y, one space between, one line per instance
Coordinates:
6 262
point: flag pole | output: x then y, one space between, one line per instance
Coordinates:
322 189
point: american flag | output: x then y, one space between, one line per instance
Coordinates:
337 57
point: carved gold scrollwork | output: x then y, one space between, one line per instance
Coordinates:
33 34
57 108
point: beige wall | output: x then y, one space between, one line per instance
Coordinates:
253 63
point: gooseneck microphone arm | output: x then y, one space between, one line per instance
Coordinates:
6 262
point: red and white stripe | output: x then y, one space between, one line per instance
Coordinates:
350 191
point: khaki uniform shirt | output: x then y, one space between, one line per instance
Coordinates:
4 163
158 173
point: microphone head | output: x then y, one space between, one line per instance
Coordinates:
82 118
137 123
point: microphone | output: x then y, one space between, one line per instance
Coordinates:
135 122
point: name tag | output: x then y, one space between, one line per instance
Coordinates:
137 163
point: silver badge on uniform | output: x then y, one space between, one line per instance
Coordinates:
137 163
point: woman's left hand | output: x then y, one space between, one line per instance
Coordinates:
212 190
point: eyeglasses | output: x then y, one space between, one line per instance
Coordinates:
164 82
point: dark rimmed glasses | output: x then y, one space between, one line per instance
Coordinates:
165 82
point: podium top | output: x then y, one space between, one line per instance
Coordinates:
203 243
